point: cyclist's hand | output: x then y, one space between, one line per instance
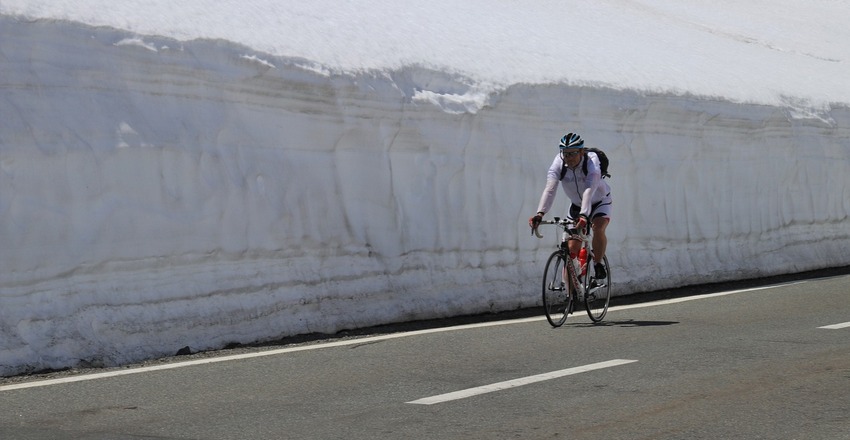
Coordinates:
534 222
581 223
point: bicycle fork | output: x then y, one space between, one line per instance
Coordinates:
570 278
562 285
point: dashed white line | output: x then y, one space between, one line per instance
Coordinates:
462 394
836 326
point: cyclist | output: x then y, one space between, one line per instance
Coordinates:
589 194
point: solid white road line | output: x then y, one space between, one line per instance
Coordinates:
698 297
213 360
836 326
462 394
173 365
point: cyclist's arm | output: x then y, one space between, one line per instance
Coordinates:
548 196
552 179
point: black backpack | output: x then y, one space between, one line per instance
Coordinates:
603 162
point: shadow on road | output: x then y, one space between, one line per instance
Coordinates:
624 323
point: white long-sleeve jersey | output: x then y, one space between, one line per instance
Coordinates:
584 190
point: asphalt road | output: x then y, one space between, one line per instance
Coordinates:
746 364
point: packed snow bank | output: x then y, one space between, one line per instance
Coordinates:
158 194
758 51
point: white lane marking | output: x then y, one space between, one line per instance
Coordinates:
698 297
213 360
173 365
462 394
235 357
836 326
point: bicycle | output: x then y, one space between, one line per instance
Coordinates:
567 280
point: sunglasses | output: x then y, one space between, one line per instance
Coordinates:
570 154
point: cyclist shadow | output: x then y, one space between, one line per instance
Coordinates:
626 323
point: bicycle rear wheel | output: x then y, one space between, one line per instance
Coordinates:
557 301
597 292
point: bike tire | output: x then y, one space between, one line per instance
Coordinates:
557 298
597 297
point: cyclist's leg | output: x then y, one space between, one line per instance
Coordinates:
600 240
574 245
600 217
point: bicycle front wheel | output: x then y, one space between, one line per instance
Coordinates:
557 301
597 292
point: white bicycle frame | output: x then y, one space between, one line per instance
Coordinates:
570 232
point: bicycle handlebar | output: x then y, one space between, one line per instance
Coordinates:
565 223
536 232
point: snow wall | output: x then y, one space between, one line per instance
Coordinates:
157 194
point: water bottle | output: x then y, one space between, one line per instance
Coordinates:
582 258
